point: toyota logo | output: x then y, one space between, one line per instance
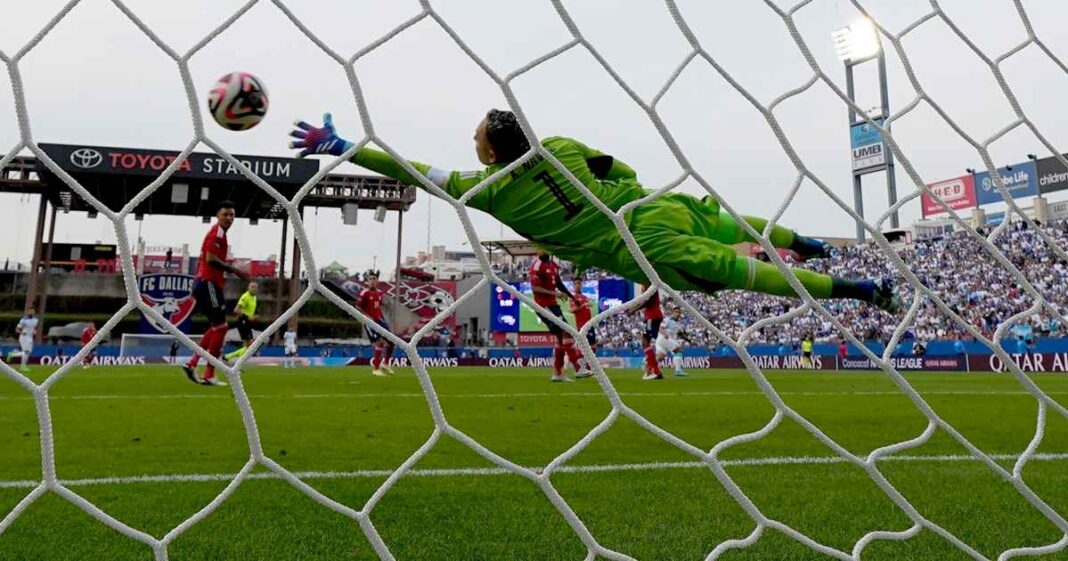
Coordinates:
86 158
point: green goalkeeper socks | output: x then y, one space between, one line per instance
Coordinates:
729 232
235 353
758 276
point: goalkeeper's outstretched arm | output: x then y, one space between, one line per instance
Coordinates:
325 140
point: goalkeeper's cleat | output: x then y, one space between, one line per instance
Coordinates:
811 248
388 370
190 373
378 372
885 296
213 381
652 376
681 374
560 378
584 374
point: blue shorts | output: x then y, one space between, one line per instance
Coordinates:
373 335
652 328
556 311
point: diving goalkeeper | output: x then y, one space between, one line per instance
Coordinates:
686 239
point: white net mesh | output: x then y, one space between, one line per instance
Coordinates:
869 463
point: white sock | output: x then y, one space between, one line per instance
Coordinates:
25 358
677 362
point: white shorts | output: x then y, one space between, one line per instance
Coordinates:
290 351
664 345
26 344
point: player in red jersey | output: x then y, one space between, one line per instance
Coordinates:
653 315
87 335
370 303
208 291
580 308
548 289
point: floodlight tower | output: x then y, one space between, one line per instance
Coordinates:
856 44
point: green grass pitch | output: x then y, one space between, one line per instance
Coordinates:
126 422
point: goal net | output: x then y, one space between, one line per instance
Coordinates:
787 16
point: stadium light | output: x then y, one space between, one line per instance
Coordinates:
856 44
857 41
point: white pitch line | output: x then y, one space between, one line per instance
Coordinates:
343 395
485 471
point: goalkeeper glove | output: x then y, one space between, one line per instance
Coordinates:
318 140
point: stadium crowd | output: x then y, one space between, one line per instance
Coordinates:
956 267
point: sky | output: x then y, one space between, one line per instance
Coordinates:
96 79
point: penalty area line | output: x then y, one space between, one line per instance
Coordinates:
487 471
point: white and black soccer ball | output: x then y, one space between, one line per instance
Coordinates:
439 300
238 101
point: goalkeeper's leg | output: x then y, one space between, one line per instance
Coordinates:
728 231
688 262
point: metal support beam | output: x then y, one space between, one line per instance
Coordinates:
891 180
397 272
43 305
858 194
858 205
279 305
31 290
294 280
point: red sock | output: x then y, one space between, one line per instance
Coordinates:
214 348
558 360
573 354
205 343
377 360
650 360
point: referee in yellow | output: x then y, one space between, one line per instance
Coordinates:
246 313
806 352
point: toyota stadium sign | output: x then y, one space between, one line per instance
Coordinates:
199 165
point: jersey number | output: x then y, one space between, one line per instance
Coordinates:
572 209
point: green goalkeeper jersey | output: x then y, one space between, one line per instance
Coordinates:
537 201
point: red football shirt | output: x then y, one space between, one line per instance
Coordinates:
546 275
651 308
580 306
214 243
370 303
87 335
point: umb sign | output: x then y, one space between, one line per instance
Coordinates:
958 193
869 152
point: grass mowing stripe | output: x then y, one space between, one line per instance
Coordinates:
475 471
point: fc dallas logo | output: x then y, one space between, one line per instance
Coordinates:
169 294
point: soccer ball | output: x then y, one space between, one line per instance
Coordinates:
238 101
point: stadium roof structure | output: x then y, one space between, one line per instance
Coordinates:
115 175
514 248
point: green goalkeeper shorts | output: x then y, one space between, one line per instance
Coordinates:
676 233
